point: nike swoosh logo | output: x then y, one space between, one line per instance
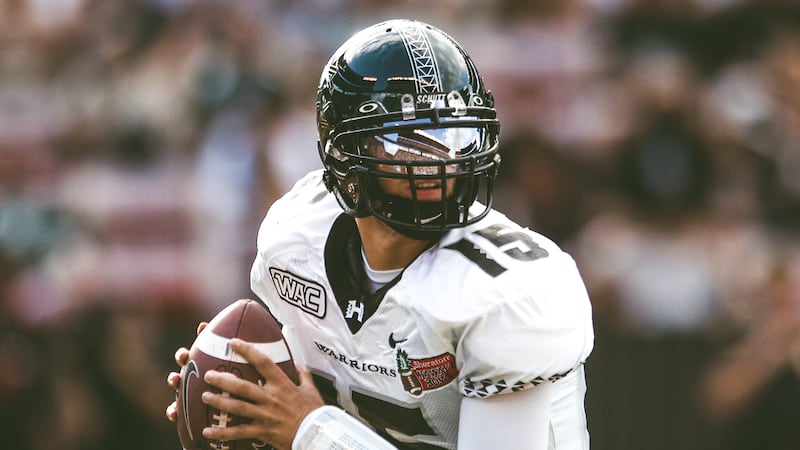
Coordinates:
191 369
393 342
430 219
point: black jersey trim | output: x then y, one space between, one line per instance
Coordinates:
345 270
478 256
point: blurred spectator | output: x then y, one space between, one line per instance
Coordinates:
655 244
24 389
106 376
751 390
541 187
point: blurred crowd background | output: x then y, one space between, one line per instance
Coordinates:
141 142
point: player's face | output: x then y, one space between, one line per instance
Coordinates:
432 146
426 191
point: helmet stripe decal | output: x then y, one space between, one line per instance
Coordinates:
420 52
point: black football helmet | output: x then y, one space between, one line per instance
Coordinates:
407 131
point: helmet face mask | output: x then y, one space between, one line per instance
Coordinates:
407 132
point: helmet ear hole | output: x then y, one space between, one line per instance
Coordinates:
350 184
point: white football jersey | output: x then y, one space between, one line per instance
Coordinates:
490 309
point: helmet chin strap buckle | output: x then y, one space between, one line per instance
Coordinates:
455 101
407 107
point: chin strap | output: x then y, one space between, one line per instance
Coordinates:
331 428
420 235
433 227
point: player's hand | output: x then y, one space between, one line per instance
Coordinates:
174 378
276 408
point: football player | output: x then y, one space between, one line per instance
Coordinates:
420 316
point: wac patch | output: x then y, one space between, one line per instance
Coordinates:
297 291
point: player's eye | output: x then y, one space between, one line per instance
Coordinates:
422 144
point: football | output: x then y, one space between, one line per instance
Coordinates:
245 319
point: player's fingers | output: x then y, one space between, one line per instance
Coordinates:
304 375
245 431
173 380
261 362
234 385
172 412
201 326
307 387
224 402
182 356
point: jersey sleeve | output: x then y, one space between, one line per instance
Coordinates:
524 419
542 333
282 230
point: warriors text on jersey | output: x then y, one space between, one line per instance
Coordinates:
488 310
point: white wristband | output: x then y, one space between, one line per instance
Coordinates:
331 428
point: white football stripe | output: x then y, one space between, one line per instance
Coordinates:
219 347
